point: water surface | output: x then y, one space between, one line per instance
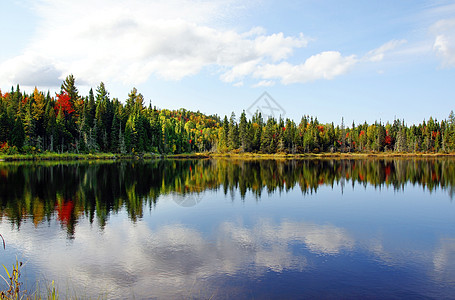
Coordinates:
233 229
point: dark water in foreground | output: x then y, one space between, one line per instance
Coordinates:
230 229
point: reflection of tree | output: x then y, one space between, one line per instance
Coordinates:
67 192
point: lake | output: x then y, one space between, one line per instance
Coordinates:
232 229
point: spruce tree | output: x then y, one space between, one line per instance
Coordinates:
233 136
69 85
18 134
244 133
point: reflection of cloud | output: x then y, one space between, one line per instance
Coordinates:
187 200
376 247
326 239
172 259
444 260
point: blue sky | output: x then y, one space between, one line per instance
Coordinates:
361 60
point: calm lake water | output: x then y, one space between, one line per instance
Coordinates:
233 229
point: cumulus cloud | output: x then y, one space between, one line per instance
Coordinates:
325 65
30 69
128 42
444 42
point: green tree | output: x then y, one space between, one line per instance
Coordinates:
69 85
233 136
18 134
244 133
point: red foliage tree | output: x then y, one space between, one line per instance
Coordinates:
64 103
388 140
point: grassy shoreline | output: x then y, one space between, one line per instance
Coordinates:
336 155
229 155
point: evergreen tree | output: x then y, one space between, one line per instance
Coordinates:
5 126
226 128
244 133
156 136
69 85
91 109
29 126
38 111
401 140
18 134
268 138
342 136
233 136
115 134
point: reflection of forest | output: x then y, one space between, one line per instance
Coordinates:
68 191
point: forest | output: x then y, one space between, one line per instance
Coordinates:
68 122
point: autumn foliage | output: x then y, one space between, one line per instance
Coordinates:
63 103
69 122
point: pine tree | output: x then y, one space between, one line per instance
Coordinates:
103 115
115 134
121 141
91 109
256 131
226 128
61 133
38 111
343 136
244 133
69 85
156 133
18 134
5 126
233 136
401 140
29 126
268 138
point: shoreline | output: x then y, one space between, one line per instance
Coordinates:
229 155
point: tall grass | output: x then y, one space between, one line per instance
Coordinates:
14 291
13 283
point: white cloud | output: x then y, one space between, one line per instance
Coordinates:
30 69
277 46
325 65
129 42
240 71
377 54
264 83
444 42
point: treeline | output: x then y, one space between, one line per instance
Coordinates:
68 122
